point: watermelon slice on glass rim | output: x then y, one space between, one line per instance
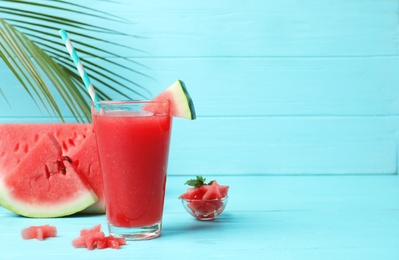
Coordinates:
180 102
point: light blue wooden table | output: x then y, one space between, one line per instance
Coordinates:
267 217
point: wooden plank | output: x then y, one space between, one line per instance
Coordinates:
256 28
257 87
280 87
284 145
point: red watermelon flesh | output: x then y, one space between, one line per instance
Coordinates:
94 238
111 242
89 241
39 232
89 165
215 191
76 140
194 193
205 208
16 140
206 192
45 184
90 231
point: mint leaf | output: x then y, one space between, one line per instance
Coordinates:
198 182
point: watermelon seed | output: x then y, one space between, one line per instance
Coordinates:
67 158
61 166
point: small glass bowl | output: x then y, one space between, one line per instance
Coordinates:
205 209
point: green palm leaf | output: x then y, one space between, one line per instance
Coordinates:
31 48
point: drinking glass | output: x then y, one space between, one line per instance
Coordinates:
133 144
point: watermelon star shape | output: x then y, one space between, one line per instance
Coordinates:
213 191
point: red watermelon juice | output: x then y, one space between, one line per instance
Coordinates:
133 147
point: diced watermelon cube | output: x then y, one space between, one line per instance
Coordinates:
204 207
194 193
215 191
103 243
39 234
79 242
206 192
120 240
92 239
113 243
223 190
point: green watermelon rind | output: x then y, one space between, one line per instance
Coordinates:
189 100
180 100
96 208
81 201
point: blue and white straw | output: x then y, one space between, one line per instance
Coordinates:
79 65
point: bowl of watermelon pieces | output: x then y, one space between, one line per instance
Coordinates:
205 201
205 209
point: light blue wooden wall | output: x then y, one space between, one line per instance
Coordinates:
280 86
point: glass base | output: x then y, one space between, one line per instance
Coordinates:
136 233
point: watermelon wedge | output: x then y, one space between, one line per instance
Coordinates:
77 141
45 183
181 104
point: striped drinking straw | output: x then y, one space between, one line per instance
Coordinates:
79 66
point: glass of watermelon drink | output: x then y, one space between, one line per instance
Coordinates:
133 146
